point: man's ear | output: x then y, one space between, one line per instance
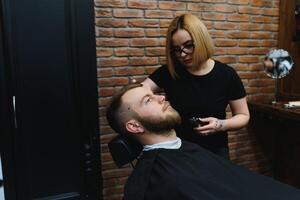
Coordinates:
134 127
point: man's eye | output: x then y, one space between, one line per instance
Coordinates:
148 100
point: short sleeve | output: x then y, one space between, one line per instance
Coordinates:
161 76
236 87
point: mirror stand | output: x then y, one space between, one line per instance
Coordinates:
278 63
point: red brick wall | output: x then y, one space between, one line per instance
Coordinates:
130 37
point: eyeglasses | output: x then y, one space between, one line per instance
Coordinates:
187 49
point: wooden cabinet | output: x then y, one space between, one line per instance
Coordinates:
278 131
289 39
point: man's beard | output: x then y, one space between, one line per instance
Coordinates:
159 125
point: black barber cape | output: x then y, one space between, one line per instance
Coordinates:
193 173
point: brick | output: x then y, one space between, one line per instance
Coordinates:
226 59
214 16
104 72
225 43
271 12
158 14
225 25
116 173
247 75
165 5
113 81
129 33
248 59
155 51
270 27
236 51
144 42
103 101
219 51
212 1
104 52
143 61
103 12
249 43
238 18
239 2
104 92
261 35
250 10
240 67
110 182
155 32
112 62
260 82
197 7
127 13
130 71
104 42
142 4
129 51
164 23
108 22
108 165
110 3
256 66
259 51
252 90
113 190
150 70
217 34
104 32
106 157
250 27
143 23
260 3
223 8
107 138
269 43
264 19
238 35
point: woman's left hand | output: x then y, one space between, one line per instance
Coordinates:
213 125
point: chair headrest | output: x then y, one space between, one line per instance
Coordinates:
124 150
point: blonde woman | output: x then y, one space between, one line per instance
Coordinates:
199 87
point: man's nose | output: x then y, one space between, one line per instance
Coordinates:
161 98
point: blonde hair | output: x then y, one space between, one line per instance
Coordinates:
204 47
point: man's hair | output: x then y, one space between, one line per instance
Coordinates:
204 47
115 115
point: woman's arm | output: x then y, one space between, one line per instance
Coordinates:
240 118
240 115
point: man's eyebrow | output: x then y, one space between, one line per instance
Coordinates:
144 97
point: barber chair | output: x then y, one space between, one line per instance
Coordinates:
124 150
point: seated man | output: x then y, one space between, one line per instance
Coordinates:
170 168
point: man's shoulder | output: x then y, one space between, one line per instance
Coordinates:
137 182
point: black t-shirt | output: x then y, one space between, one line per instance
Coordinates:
201 96
193 173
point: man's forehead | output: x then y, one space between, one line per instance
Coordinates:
136 94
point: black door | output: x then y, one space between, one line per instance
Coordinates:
49 121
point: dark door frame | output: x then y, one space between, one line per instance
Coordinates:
83 42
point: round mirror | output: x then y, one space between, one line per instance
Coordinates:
278 63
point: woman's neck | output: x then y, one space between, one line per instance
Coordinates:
203 68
